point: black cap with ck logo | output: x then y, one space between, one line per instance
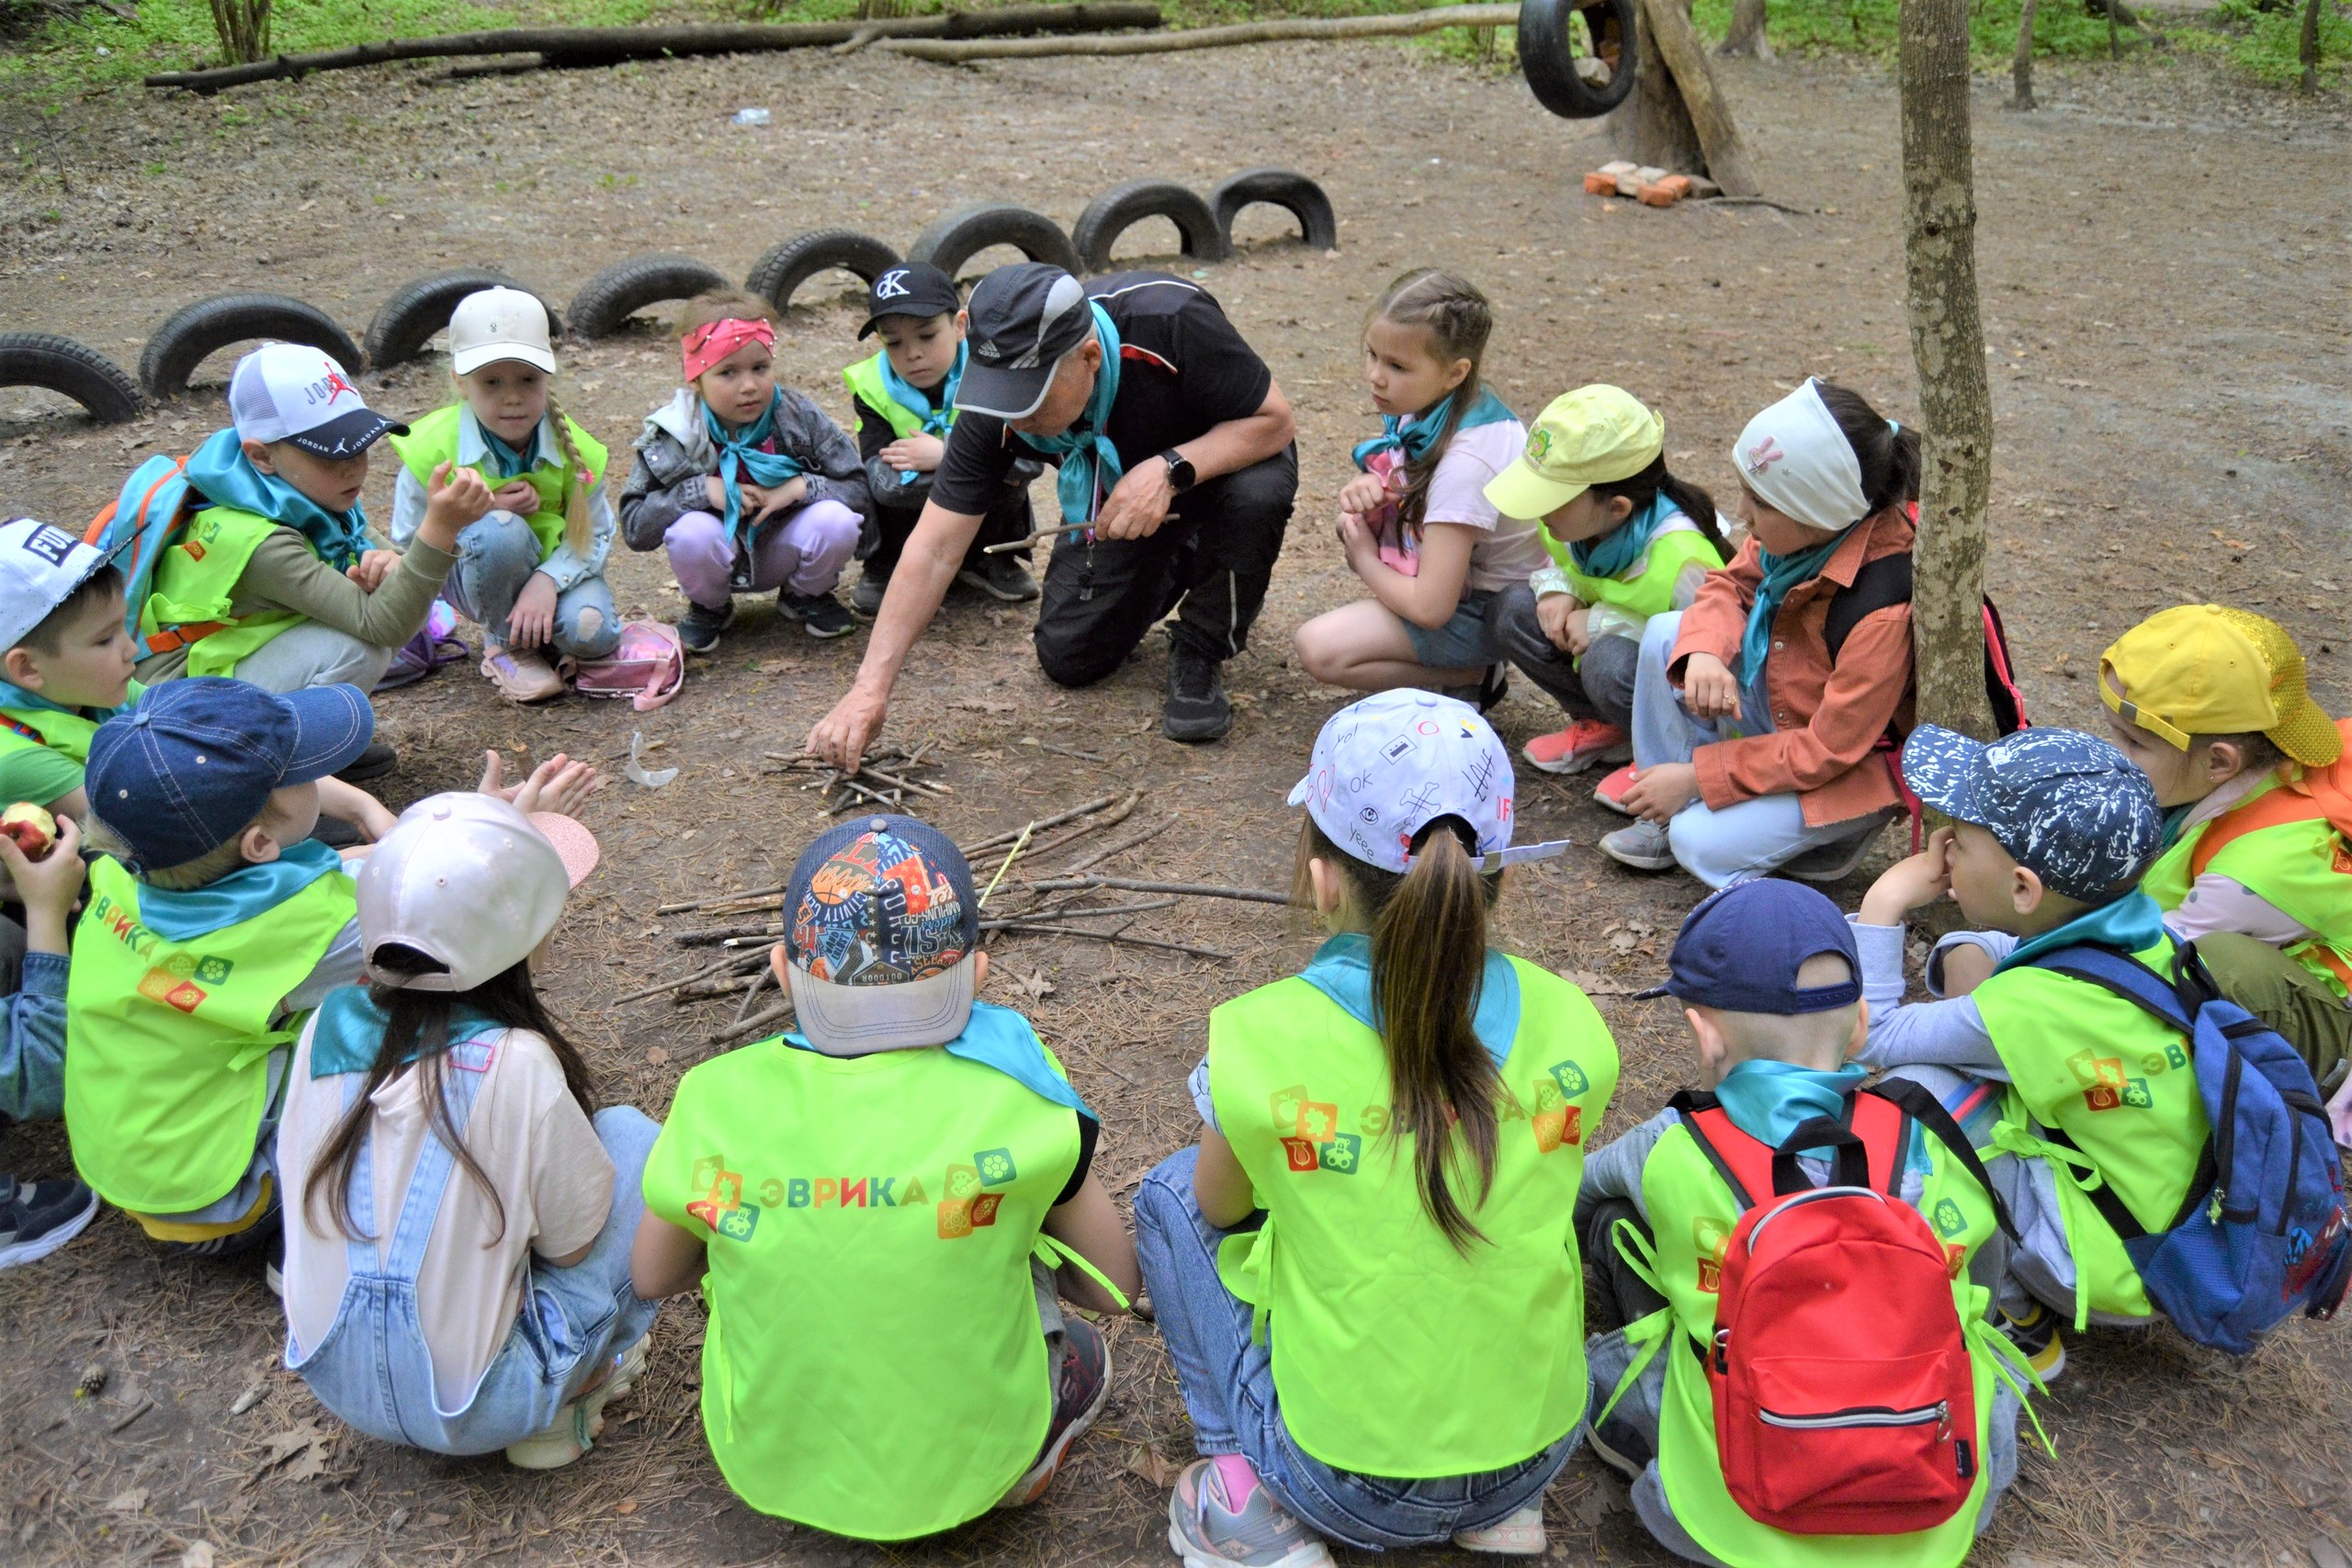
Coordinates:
916 289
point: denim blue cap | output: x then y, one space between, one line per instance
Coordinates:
2069 807
183 772
1741 948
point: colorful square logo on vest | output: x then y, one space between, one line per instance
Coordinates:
1955 1259
1300 1153
995 1165
1548 1098
954 1218
1570 1078
984 1208
2095 1071
1342 1152
213 971
737 1224
159 985
1554 1129
962 1183
2105 1097
1284 1103
2137 1096
1318 1122
1711 1239
181 965
1948 1220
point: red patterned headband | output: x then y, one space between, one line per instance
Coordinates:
714 341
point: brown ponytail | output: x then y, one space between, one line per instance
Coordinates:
1428 958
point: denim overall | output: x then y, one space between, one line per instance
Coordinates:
374 1370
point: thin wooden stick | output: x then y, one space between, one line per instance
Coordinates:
759 979
703 974
1042 535
723 934
751 1025
1016 929
1122 847
1188 889
719 903
1118 814
998 840
1058 914
1011 855
871 772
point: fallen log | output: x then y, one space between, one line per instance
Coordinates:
579 47
1281 30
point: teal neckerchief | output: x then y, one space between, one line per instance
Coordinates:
219 471
2130 924
1780 574
1613 553
350 1031
1413 433
1002 1039
1090 464
15 696
937 418
512 462
739 454
242 894
1768 1099
1341 970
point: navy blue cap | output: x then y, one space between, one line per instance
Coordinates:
1740 949
2068 807
183 772
880 927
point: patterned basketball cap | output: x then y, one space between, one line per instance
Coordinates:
882 926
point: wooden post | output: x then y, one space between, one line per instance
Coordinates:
2021 68
1677 116
1746 34
2309 49
1947 345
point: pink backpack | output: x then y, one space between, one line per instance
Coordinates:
648 667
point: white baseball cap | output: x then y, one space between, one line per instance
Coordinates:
1388 766
499 324
291 391
40 565
470 881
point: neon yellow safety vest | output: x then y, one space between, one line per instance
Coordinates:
1648 589
873 1364
433 441
166 1043
56 729
864 381
196 584
1394 1354
2302 869
2118 1082
1692 1215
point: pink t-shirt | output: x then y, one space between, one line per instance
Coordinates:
1457 494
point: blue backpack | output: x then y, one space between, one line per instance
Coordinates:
133 531
2263 1229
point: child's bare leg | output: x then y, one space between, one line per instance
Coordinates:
1365 648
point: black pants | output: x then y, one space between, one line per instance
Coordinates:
889 526
1625 1293
1215 560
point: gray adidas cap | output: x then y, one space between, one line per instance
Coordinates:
1022 320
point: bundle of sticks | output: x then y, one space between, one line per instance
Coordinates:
1067 902
885 779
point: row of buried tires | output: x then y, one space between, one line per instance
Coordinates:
407 322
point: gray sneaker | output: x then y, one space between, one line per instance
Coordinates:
1835 861
1644 846
1221 1516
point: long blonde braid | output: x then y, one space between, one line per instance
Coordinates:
577 481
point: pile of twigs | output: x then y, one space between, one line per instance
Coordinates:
1066 901
883 780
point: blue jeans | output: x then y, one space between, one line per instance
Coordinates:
1228 1384
373 1369
495 559
1464 642
1741 841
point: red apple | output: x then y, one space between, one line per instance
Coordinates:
33 828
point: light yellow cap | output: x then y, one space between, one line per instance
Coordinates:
2204 670
1593 435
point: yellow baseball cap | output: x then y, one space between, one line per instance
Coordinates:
1593 435
2204 670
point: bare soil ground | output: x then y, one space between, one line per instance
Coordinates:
2165 295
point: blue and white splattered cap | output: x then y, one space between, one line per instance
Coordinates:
2071 808
1386 767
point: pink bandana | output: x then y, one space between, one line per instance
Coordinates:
706 345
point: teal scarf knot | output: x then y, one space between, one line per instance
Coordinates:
2130 924
1613 554
938 415
1769 1100
221 473
739 453
250 890
512 462
1780 574
1413 434
1090 465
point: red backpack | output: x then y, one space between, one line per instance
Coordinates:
1844 1399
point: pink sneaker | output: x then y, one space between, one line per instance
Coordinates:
1578 746
524 677
1610 791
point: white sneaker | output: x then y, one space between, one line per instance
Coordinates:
1521 1535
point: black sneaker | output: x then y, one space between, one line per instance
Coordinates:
337 834
1000 577
819 614
699 627
1492 688
38 1217
2036 1336
867 597
1081 1386
380 759
1196 707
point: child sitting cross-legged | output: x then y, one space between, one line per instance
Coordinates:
1837 1397
912 1166
458 1255
2257 790
1628 539
747 485
1368 1274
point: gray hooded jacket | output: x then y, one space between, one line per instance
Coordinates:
675 453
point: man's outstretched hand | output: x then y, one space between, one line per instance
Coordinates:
841 737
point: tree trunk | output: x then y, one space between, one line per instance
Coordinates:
1947 345
2309 49
1678 118
2021 68
1747 32
1653 124
243 28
